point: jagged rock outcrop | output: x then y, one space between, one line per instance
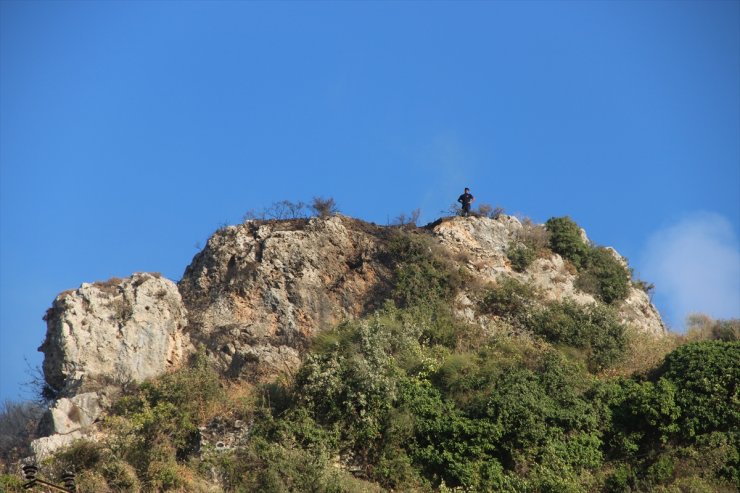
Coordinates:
256 295
113 332
260 290
481 243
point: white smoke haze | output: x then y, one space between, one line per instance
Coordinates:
695 266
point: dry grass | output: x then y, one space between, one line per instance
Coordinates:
533 235
240 398
645 352
111 287
702 327
570 267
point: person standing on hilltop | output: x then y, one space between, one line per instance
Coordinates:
466 199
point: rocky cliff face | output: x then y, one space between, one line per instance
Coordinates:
113 332
259 291
256 295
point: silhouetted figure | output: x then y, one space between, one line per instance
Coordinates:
466 199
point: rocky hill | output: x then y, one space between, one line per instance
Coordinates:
258 292
328 354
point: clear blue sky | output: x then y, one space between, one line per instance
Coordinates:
130 131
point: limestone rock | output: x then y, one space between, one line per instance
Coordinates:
69 415
113 332
46 446
259 290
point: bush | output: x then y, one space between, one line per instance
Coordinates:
324 207
604 276
422 276
520 256
594 328
678 427
644 417
19 422
158 424
707 375
351 384
269 466
509 298
702 327
11 483
448 446
566 240
487 210
98 467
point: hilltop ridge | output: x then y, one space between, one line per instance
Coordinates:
331 354
258 292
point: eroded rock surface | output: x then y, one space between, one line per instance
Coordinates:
112 333
67 420
255 296
68 415
260 290
46 446
482 243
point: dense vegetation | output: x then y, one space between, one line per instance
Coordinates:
412 399
601 273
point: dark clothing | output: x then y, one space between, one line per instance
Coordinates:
465 199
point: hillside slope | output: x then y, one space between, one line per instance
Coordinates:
473 352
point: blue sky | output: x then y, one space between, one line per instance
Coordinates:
130 131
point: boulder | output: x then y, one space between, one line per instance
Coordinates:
113 333
46 446
72 414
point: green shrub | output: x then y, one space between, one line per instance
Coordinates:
679 426
566 240
707 375
157 425
716 455
92 482
11 483
162 471
596 329
351 385
600 272
446 444
267 466
422 276
644 417
520 256
619 480
508 298
604 276
100 469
